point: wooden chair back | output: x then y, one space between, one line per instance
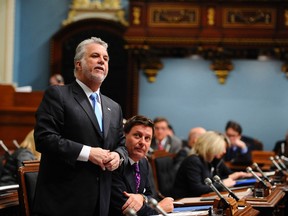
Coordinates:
162 167
28 174
262 158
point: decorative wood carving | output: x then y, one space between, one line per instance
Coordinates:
87 9
173 16
256 17
242 29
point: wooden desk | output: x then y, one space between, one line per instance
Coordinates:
245 210
262 158
9 204
270 205
17 114
234 167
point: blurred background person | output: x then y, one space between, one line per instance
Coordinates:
162 140
56 79
26 152
205 162
281 146
194 134
238 152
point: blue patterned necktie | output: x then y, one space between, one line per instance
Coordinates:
137 176
94 99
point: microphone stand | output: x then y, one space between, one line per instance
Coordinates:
16 144
131 212
262 173
280 162
217 179
5 148
228 207
280 175
154 204
261 189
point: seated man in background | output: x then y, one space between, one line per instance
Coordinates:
205 162
162 140
238 152
281 146
194 133
131 184
56 79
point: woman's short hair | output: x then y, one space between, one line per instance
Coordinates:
209 144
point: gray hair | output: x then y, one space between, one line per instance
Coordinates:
81 48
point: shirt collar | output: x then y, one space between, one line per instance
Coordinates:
131 161
87 90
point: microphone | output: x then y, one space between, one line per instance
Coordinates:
209 183
16 143
217 179
4 147
275 163
280 162
154 204
131 212
282 148
249 170
262 173
284 158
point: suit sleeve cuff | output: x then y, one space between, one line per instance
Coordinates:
244 150
84 154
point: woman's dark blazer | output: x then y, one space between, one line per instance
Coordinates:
191 175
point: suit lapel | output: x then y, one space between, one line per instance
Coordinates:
143 177
130 178
82 99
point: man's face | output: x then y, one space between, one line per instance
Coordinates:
232 135
161 130
94 64
138 141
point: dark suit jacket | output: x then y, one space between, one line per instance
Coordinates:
191 175
65 121
236 156
172 144
124 180
277 148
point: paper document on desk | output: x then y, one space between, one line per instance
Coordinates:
270 173
9 187
189 200
189 213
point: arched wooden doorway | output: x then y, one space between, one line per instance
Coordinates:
65 41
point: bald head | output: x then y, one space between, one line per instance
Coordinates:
194 134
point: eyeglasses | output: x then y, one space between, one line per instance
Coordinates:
232 135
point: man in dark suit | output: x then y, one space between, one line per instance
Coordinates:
126 192
238 152
78 151
162 140
281 146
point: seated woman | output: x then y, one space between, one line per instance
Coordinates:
204 162
26 152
